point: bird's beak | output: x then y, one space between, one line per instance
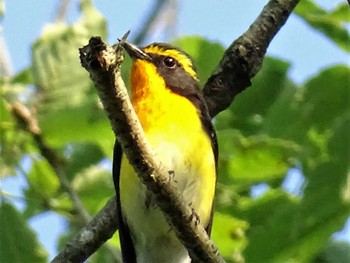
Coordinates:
135 52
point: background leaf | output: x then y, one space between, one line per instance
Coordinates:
18 243
64 90
331 24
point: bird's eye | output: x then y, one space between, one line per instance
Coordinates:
169 62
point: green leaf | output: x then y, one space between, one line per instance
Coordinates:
92 21
68 107
94 186
60 80
6 120
312 108
271 225
35 203
285 229
283 117
206 54
253 159
18 242
58 76
229 235
80 156
103 254
43 186
24 77
12 141
328 23
15 88
42 179
83 123
326 97
2 9
247 112
340 13
334 251
7 148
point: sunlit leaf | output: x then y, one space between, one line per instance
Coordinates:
331 24
316 105
247 112
24 77
284 228
35 203
104 254
43 185
94 186
57 72
43 179
326 97
229 235
340 13
272 220
254 159
12 141
334 251
78 124
80 156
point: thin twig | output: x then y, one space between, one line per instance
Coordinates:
62 10
29 123
91 236
152 16
165 22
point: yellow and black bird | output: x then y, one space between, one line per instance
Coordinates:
173 113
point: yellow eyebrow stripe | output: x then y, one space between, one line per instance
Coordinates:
183 60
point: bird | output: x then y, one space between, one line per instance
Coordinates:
173 113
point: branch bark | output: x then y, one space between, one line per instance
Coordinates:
29 123
239 64
90 237
244 57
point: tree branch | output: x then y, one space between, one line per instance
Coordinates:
103 63
62 10
152 16
240 62
29 123
244 57
90 237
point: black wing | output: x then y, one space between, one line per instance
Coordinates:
126 244
209 128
